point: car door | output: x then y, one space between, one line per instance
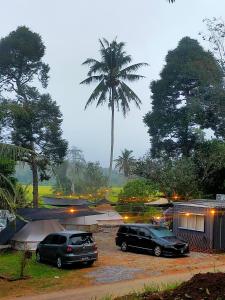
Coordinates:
132 239
44 247
145 239
52 249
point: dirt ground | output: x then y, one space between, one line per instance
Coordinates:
115 266
143 264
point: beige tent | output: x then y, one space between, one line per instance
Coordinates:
33 232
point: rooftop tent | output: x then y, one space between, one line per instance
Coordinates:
33 232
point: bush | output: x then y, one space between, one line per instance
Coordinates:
138 190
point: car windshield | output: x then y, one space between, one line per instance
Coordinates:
161 232
81 239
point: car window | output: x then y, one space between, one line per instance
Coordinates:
133 230
61 240
47 240
81 239
162 232
123 229
144 232
55 239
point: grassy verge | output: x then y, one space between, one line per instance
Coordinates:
148 289
42 277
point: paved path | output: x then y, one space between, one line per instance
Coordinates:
116 289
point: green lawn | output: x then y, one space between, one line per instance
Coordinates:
10 265
42 278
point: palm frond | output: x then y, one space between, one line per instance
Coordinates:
131 77
92 79
98 67
103 97
97 91
130 94
14 152
124 101
90 61
133 68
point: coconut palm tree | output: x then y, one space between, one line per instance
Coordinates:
111 73
125 162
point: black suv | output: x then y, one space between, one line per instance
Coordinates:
67 247
157 239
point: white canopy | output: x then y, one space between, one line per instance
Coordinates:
34 232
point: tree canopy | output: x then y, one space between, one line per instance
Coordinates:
33 119
182 99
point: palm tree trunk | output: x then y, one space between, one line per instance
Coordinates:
112 136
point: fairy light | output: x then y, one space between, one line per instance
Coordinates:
212 211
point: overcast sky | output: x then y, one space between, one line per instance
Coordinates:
70 30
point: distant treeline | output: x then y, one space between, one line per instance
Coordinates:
24 176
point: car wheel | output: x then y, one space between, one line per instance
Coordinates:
89 263
38 257
124 246
157 251
59 263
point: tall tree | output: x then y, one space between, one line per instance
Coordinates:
125 162
182 100
111 73
34 119
36 125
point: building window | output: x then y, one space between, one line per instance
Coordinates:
192 222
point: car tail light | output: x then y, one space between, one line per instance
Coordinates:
95 247
69 249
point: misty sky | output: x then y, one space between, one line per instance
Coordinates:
70 30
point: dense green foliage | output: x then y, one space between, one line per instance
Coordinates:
140 189
186 99
33 119
111 73
201 174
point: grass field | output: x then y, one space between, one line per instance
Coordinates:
114 192
47 190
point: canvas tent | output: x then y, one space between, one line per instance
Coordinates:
34 232
35 223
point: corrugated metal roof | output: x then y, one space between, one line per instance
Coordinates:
202 203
